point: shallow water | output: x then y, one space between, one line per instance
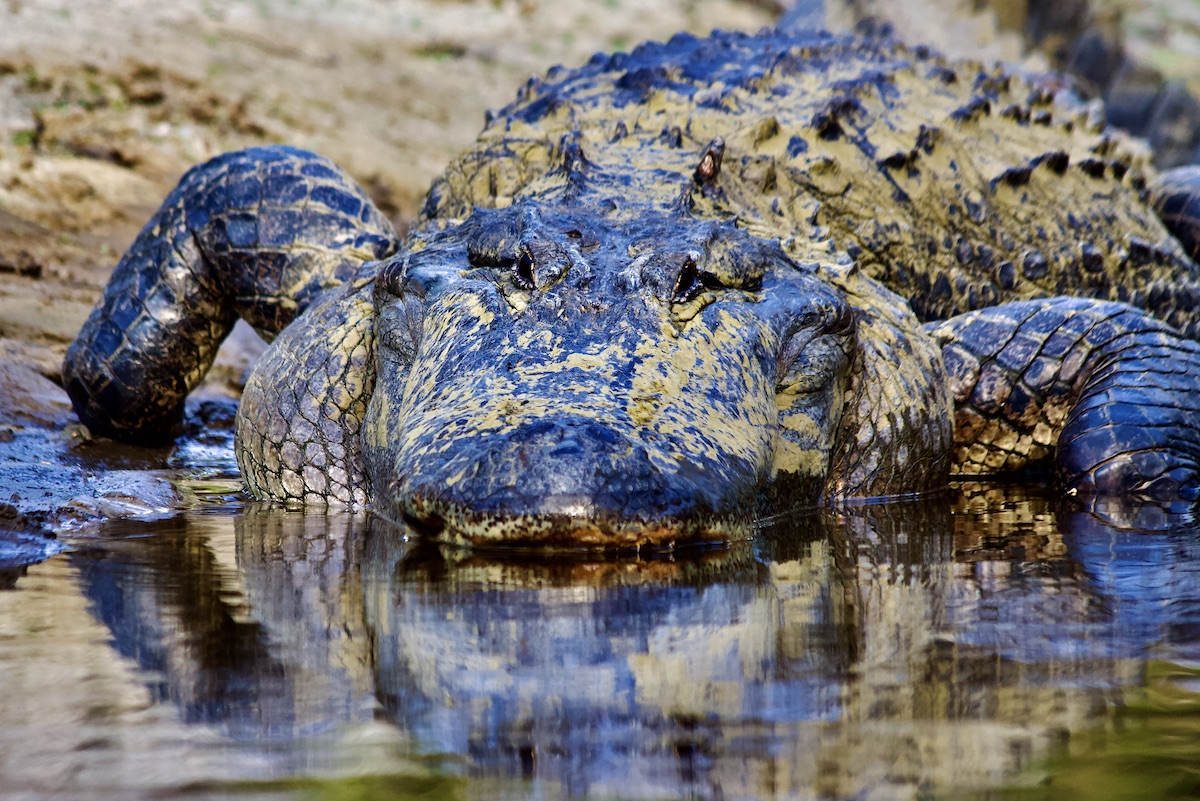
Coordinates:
985 644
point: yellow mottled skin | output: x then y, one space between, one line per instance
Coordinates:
706 264
302 408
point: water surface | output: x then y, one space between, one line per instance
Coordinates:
989 643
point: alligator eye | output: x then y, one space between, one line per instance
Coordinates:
688 283
391 278
523 270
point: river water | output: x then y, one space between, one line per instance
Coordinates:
991 643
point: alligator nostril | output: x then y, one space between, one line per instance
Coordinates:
540 429
605 435
567 447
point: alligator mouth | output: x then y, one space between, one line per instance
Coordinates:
567 523
563 482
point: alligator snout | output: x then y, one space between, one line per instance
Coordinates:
610 430
571 481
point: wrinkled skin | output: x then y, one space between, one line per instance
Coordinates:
659 298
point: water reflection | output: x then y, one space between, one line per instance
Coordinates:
899 648
258 630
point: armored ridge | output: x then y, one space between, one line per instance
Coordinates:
957 185
659 296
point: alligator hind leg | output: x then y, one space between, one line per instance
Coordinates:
1103 391
258 233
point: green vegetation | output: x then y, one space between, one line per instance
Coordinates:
440 50
350 788
1149 750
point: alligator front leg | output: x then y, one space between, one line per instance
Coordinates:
301 412
259 233
1107 391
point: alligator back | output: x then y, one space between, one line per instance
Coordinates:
956 185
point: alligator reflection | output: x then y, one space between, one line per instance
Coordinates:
259 632
917 646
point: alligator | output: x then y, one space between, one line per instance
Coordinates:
679 288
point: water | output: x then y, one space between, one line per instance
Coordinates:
989 644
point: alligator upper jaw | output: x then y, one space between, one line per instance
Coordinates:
566 481
572 436
570 523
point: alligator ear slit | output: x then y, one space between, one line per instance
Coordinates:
709 168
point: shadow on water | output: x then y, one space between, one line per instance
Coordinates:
941 648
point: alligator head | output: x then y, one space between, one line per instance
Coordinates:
551 376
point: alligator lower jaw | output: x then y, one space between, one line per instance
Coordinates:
565 532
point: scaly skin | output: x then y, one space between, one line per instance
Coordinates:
657 298
1104 390
258 234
